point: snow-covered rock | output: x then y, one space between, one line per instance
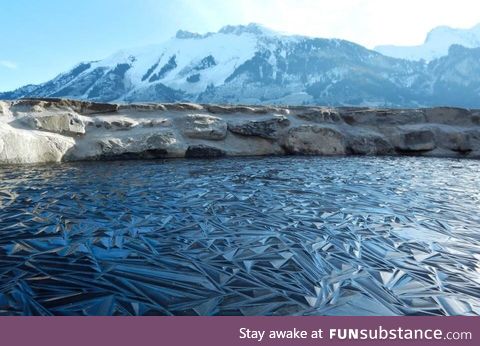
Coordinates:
203 126
64 123
159 144
29 146
368 143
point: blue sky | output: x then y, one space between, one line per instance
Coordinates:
41 38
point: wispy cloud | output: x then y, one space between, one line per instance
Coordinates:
8 64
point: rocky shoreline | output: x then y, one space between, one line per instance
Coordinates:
54 130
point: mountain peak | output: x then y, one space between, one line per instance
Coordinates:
252 28
184 34
436 45
436 31
446 36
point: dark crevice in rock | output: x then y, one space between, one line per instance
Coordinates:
204 151
146 154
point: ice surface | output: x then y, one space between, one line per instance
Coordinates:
250 236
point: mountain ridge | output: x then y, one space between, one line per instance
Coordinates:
251 64
436 44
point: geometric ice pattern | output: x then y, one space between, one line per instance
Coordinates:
244 236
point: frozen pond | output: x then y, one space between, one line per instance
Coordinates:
247 236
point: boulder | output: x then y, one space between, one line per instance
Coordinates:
314 140
369 145
161 140
157 145
203 151
415 140
268 129
112 147
456 141
63 123
26 146
201 126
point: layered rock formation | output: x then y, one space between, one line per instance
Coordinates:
52 130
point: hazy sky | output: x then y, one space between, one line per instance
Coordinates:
41 38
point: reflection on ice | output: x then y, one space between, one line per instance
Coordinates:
421 235
251 236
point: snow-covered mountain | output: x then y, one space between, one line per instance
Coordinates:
253 65
436 45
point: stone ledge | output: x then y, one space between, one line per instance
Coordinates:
45 130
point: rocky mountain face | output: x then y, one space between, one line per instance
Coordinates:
52 130
253 65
